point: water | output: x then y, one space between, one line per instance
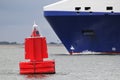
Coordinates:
68 67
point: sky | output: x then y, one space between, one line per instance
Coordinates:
17 18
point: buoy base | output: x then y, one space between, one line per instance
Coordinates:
37 67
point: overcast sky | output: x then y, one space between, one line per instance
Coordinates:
17 18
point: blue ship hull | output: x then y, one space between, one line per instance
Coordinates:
99 32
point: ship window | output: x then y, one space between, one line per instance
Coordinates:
88 32
112 11
77 8
90 12
109 8
87 8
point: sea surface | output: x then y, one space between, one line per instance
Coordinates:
68 67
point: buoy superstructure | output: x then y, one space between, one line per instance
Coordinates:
36 52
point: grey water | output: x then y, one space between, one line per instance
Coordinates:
68 67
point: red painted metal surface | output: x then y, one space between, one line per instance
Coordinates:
37 67
36 51
35 48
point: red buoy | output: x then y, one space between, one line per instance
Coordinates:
36 51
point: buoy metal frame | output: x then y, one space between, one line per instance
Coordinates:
36 51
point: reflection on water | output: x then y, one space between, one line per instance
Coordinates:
36 76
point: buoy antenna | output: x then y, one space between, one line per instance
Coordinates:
35 25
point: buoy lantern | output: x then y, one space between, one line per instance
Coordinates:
36 51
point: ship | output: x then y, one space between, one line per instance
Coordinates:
86 25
